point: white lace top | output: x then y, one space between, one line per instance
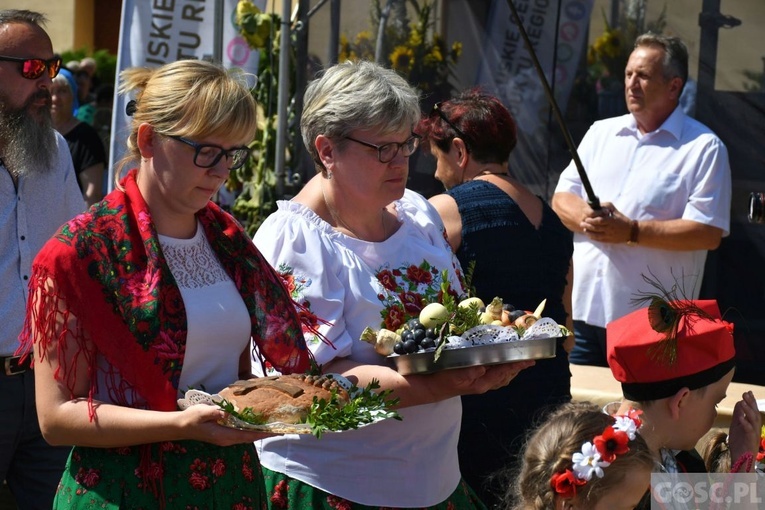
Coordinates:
218 322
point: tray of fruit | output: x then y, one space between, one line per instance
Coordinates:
472 334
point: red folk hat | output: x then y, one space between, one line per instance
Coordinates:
669 345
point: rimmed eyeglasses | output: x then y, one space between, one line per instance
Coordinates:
386 152
207 155
33 68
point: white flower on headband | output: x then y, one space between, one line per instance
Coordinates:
588 462
626 424
598 454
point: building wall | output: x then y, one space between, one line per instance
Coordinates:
66 26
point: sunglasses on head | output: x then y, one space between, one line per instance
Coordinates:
33 68
460 133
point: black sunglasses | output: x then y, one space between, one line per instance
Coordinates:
208 155
460 133
33 68
388 151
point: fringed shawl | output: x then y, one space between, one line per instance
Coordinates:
113 294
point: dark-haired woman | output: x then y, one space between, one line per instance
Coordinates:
521 253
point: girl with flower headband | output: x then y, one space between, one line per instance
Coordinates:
581 458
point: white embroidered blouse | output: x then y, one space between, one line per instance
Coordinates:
354 284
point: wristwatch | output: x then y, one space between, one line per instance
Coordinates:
634 232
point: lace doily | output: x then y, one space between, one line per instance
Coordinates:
487 334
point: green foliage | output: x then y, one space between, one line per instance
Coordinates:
755 81
106 63
246 414
366 406
257 178
414 50
607 56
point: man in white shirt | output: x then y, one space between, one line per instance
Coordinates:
38 192
667 181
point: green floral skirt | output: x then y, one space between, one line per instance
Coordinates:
288 493
172 475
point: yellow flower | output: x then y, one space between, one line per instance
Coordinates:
254 25
363 37
246 7
611 44
402 59
413 50
435 54
456 51
415 39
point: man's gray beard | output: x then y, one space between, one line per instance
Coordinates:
28 140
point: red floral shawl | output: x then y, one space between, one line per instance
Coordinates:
109 270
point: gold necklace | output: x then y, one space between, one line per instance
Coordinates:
338 220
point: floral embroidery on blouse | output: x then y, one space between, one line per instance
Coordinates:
296 285
405 290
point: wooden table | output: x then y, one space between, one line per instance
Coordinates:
597 385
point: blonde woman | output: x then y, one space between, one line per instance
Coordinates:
153 291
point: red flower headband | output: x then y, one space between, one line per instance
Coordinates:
598 454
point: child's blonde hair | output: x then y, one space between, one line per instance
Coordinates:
550 448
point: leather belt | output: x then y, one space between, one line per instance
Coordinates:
14 365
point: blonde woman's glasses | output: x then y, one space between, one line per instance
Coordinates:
208 155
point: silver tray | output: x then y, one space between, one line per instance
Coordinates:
469 356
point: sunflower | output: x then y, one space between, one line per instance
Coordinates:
402 59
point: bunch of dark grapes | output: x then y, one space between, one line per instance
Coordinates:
416 337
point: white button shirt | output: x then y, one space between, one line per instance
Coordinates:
31 211
679 171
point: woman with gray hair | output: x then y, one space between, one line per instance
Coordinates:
363 251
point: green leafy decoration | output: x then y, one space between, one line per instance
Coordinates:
246 414
366 406
413 49
334 415
256 181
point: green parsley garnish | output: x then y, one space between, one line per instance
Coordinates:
365 406
245 414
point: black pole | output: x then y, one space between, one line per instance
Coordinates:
334 33
592 199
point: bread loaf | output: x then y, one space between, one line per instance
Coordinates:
284 398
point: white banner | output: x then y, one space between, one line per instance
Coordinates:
507 71
156 32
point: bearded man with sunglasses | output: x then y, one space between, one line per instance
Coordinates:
38 192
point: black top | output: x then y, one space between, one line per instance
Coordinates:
86 148
523 265
513 260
